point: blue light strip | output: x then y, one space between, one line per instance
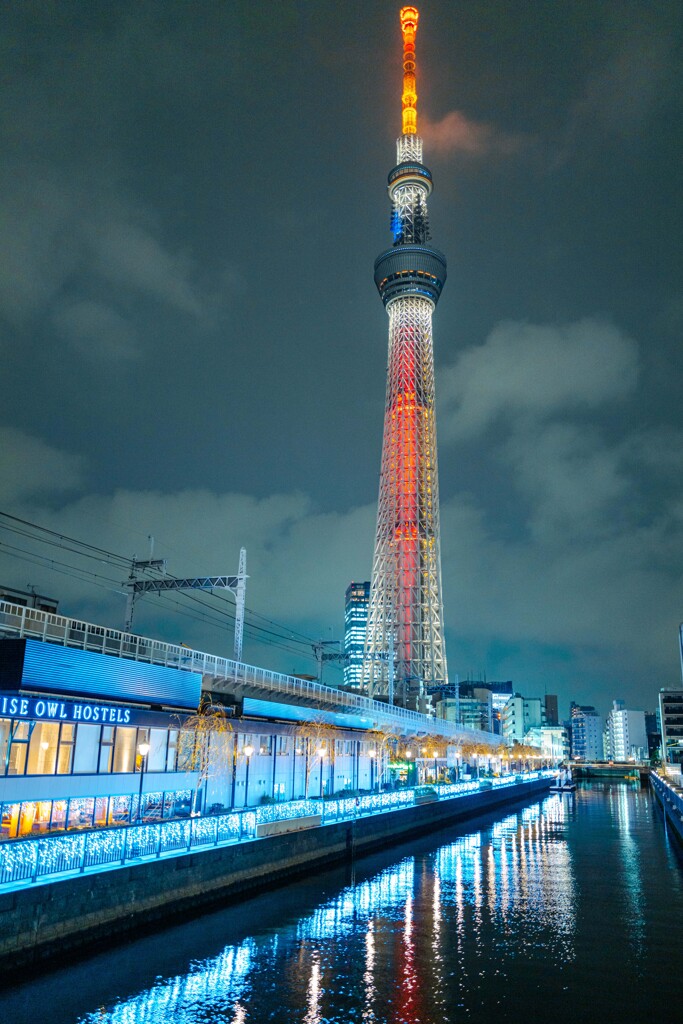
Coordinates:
39 861
65 670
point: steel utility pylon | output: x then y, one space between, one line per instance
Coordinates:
405 617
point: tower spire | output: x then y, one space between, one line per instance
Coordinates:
405 621
409 16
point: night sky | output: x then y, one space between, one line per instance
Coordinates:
192 196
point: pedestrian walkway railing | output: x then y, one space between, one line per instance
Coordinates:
668 792
39 860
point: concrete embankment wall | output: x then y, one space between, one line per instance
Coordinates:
670 798
43 922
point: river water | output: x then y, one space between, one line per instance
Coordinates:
567 910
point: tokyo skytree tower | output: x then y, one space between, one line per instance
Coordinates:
404 651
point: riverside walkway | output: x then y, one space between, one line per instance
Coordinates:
38 861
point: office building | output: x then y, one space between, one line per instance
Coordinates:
355 630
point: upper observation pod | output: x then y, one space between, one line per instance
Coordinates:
409 18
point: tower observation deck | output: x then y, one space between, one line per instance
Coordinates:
405 653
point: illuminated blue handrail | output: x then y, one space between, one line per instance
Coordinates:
668 793
42 859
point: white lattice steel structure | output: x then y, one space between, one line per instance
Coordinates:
405 653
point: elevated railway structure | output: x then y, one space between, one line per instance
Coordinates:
234 679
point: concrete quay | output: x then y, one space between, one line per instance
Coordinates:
54 920
670 797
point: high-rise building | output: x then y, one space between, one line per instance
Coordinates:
519 715
671 718
586 733
626 737
405 653
355 628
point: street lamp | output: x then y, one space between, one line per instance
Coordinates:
248 751
435 769
321 754
143 750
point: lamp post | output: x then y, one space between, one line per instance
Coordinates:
143 750
372 754
248 751
436 753
321 754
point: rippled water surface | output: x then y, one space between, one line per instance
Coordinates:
567 910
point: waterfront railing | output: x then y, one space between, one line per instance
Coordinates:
44 859
668 792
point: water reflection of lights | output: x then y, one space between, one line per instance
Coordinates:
514 881
313 1010
409 977
369 976
633 884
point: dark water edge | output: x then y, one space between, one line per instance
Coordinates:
569 909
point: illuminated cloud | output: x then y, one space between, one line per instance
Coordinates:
536 371
455 133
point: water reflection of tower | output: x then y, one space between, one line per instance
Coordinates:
405 653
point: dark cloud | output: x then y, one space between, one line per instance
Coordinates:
191 199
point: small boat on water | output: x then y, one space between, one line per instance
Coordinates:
563 783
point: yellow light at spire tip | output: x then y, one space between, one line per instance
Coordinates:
409 18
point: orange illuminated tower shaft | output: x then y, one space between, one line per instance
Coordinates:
405 653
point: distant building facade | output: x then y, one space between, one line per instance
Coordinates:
519 715
550 709
29 599
551 740
586 733
355 630
625 734
671 719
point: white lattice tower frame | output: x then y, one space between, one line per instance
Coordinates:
405 611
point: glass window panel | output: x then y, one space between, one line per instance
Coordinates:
81 811
101 806
10 820
152 805
4 743
156 759
119 810
27 817
42 751
41 822
66 749
87 748
106 759
124 752
59 813
17 757
172 748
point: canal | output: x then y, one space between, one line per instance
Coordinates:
568 910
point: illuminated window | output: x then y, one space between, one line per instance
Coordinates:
18 749
125 750
42 751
